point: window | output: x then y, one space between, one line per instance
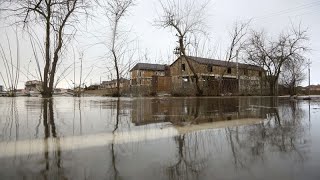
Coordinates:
140 73
245 72
183 67
210 68
229 70
260 73
185 79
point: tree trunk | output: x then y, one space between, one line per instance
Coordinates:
273 85
113 50
182 49
45 91
117 94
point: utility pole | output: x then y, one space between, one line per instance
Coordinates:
238 74
309 76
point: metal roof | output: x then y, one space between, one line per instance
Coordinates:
224 63
147 66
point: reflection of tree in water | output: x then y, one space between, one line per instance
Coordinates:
282 132
11 124
50 134
114 171
189 163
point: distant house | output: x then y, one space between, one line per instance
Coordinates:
314 87
59 91
141 73
33 86
1 88
93 87
113 84
150 78
235 77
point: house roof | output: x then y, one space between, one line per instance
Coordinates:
113 81
147 66
224 63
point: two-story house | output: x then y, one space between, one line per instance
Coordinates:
33 86
142 73
216 76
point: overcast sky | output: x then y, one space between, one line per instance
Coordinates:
154 45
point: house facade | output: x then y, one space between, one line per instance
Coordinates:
1 88
142 73
149 79
215 77
33 86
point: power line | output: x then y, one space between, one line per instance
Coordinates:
286 11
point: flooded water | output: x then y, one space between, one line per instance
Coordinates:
159 138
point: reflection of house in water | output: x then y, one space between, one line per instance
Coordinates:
181 111
33 86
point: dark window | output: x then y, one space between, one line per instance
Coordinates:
183 67
245 72
210 68
229 70
139 73
260 73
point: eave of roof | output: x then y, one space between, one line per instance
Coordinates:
148 66
215 62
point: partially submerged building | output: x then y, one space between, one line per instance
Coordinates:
215 77
33 86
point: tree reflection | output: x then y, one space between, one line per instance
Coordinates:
50 135
115 172
11 125
282 132
186 166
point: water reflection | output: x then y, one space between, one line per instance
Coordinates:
115 173
51 164
158 138
10 128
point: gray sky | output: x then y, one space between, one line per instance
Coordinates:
157 45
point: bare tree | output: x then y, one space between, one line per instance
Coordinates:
115 11
55 16
272 54
236 46
12 67
292 75
187 20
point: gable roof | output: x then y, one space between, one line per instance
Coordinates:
215 62
147 66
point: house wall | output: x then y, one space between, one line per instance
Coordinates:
144 77
202 69
161 84
35 86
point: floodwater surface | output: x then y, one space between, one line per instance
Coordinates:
159 138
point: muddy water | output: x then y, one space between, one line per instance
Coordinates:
159 138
